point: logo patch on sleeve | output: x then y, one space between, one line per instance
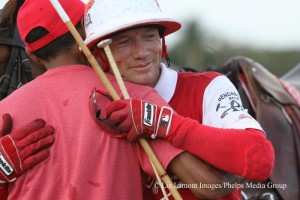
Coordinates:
229 102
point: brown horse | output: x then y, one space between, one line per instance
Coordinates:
15 67
275 104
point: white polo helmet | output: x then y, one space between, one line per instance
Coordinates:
105 17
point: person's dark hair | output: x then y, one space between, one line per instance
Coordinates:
161 30
57 46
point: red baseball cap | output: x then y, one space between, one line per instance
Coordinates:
41 13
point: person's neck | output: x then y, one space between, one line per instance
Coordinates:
59 62
65 60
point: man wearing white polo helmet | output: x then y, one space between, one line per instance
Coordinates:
85 162
210 121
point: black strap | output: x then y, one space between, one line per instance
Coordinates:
14 41
18 65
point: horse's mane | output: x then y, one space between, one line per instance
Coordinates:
8 17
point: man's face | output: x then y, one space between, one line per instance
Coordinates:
137 54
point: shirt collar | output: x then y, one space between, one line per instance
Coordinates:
166 83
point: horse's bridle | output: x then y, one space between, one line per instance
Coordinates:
14 41
17 65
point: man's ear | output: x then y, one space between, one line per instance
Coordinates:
99 54
101 57
33 57
82 29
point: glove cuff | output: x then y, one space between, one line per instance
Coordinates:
143 115
9 166
163 123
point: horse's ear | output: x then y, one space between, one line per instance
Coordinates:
33 57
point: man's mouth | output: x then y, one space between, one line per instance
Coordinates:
141 67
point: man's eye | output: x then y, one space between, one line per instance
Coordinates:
150 35
122 42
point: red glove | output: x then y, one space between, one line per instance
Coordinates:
98 101
23 148
6 129
252 153
139 118
7 125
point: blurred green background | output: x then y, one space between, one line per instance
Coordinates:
196 49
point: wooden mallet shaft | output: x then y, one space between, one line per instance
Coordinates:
110 89
160 170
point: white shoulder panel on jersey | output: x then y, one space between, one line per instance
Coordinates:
222 106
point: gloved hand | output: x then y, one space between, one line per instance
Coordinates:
7 125
139 118
98 101
6 129
23 148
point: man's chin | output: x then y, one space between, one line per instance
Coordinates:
140 82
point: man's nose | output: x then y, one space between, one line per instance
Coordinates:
139 49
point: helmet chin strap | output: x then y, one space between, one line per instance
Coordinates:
164 52
102 58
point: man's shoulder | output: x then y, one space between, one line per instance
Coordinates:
196 79
198 75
